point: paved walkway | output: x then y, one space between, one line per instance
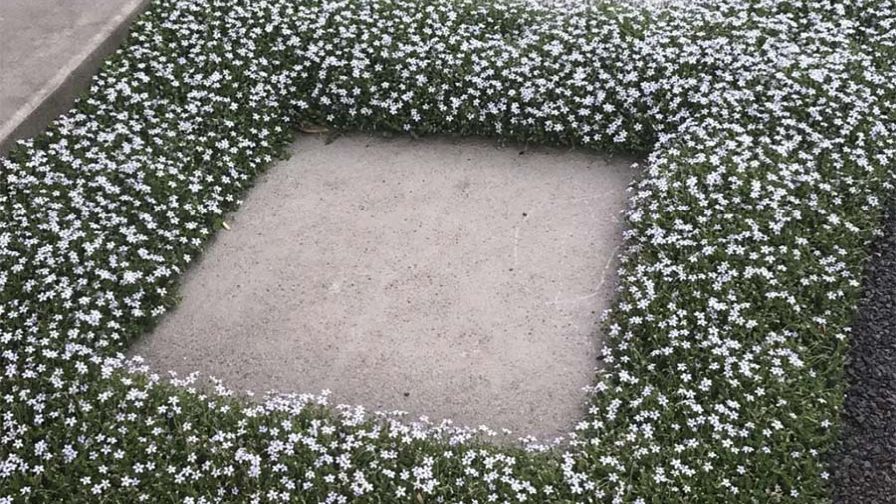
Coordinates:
49 49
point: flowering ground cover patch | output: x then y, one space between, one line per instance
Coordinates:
769 127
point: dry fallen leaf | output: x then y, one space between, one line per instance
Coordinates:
313 128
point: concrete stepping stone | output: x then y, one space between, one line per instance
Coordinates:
443 277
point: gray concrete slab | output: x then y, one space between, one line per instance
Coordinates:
49 51
443 277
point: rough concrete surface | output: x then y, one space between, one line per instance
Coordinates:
443 277
49 51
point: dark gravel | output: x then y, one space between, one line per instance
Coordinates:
864 465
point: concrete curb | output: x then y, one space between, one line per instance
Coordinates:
60 92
